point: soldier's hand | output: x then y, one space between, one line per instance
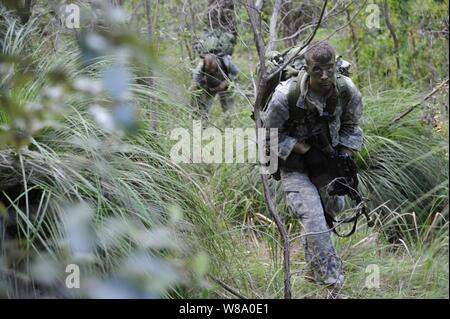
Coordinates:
348 163
221 87
315 159
301 148
345 151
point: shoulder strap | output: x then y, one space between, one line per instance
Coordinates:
295 113
294 93
341 85
223 66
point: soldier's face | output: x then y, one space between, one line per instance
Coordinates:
321 74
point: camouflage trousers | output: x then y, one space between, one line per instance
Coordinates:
304 200
202 101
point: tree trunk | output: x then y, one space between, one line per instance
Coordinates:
255 19
148 13
273 26
293 16
220 16
393 34
254 13
354 48
25 10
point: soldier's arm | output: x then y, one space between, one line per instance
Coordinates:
276 115
221 87
233 70
350 133
198 76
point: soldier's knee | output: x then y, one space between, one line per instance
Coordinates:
335 206
305 207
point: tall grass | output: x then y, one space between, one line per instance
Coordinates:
125 181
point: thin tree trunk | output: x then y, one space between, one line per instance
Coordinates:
255 20
193 25
148 12
412 108
273 25
393 34
25 10
354 38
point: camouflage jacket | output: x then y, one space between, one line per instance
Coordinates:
343 125
203 79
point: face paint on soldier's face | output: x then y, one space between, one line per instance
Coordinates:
321 75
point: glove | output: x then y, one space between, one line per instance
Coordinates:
318 166
223 86
346 172
347 163
314 158
315 161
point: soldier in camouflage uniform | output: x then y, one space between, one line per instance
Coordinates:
212 76
320 87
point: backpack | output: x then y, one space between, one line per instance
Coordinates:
217 42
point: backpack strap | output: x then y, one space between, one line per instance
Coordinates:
295 112
223 66
294 93
341 85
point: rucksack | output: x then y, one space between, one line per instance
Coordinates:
216 42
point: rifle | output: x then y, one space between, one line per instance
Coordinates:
345 182
342 177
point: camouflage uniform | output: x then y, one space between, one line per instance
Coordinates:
303 198
203 98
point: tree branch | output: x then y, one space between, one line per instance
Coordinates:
255 19
226 287
329 14
273 25
304 45
436 89
149 20
393 34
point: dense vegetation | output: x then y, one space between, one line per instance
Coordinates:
86 178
